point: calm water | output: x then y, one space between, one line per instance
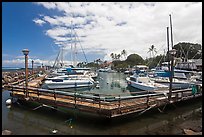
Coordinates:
110 83
22 119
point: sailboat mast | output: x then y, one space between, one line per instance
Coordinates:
75 52
71 44
168 48
62 56
73 48
171 32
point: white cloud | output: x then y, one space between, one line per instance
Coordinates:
48 5
39 21
20 62
143 24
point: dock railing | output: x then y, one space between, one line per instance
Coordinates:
109 105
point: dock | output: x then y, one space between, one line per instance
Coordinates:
101 104
18 78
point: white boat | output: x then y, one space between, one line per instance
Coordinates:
73 71
176 82
143 82
72 81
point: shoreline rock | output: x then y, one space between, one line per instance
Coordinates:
6 132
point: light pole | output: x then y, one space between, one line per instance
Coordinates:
172 53
25 52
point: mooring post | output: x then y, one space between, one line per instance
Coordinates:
12 93
99 102
173 53
55 96
38 93
119 103
147 98
75 99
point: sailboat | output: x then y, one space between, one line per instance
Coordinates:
69 76
179 79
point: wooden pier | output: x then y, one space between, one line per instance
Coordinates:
103 105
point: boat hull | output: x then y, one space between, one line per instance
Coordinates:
68 84
177 84
140 85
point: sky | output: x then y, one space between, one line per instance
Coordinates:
90 30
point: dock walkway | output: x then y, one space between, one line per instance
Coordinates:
103 105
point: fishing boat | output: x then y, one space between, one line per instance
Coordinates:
143 82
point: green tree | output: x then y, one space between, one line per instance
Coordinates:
188 50
134 59
112 56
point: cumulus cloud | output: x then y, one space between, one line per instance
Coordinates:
114 26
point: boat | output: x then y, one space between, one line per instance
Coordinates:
143 82
177 83
71 81
74 71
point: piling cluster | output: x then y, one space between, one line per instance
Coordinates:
15 76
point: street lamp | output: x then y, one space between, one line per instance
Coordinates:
25 52
172 53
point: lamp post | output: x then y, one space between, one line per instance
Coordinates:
25 52
172 53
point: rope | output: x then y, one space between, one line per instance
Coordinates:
147 109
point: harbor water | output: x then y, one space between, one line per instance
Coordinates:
24 119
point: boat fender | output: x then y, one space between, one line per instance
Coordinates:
54 131
8 102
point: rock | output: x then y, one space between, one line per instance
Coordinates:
6 132
191 132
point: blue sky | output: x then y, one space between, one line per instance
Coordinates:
19 32
102 28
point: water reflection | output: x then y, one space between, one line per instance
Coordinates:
22 119
109 83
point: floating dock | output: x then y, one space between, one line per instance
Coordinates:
101 104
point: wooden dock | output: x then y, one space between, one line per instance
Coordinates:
100 104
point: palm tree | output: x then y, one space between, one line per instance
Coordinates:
112 56
152 49
124 53
118 56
